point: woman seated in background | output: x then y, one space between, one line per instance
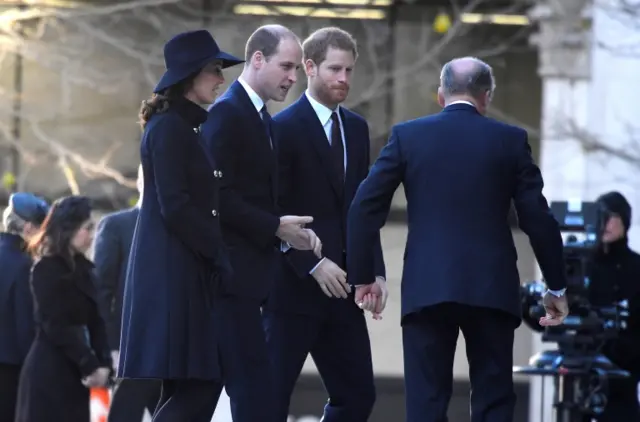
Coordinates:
70 353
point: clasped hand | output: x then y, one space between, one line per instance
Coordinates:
98 378
556 309
372 297
293 232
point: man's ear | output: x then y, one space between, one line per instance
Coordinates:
258 59
310 68
441 97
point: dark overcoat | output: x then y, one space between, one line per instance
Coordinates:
16 308
177 256
70 343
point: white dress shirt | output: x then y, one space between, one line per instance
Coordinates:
255 98
324 115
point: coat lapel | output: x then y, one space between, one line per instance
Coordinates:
263 145
353 152
320 144
253 117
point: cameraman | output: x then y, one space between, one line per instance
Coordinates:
614 271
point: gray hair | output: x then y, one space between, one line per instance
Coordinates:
467 76
12 222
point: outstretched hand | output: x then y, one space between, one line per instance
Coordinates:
292 231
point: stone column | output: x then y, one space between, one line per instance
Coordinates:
590 95
564 67
613 106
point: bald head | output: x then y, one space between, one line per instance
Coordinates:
266 40
466 77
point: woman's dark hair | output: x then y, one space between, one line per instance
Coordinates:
159 103
65 217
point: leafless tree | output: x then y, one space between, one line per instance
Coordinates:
626 14
107 49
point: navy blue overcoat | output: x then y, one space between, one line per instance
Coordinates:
177 257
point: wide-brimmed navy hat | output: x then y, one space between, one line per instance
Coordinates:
188 53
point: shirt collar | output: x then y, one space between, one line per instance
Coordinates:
255 98
322 111
462 102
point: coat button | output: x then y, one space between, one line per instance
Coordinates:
214 213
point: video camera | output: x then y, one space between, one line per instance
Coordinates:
579 368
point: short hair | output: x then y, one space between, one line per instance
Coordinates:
317 44
266 40
12 222
467 75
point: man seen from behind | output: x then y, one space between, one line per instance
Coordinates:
461 172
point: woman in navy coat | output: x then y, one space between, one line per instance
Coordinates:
177 258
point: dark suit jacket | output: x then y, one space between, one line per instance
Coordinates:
16 304
237 141
110 256
460 172
309 185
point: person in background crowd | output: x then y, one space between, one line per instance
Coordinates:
70 352
323 151
614 274
111 256
21 220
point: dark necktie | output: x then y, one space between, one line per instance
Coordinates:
337 149
266 120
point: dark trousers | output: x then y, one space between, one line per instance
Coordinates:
9 378
339 345
131 397
187 401
429 342
245 371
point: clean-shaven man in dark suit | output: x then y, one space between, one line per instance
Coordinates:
239 138
323 151
111 249
460 171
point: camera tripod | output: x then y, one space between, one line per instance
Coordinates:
580 381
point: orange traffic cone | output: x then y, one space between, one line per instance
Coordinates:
100 402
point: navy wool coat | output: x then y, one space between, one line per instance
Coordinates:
177 256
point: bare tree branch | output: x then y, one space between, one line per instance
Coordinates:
113 48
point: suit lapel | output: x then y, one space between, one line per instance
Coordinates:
263 145
353 152
253 117
320 144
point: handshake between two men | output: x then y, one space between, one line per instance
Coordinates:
330 277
